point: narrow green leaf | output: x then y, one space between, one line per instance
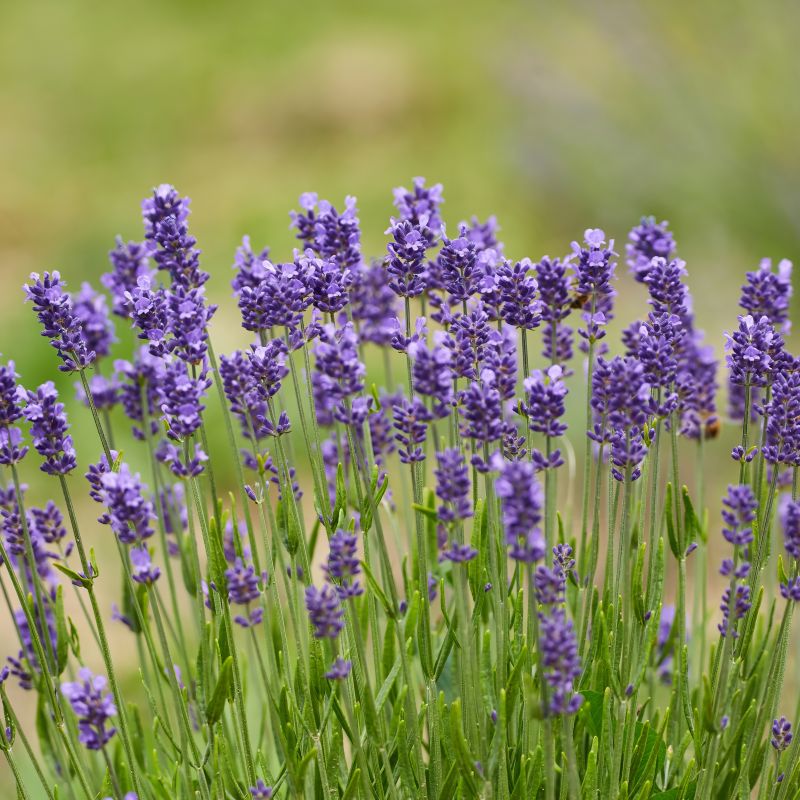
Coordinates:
216 705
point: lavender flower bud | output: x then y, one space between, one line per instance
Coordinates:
421 202
522 500
129 262
648 240
49 428
324 611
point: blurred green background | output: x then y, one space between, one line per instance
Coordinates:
554 117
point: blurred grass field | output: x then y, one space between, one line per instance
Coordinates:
553 118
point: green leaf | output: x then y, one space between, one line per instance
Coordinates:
383 692
674 545
589 785
216 705
376 589
62 637
461 749
694 529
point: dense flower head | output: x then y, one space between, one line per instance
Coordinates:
410 419
129 512
522 501
279 298
340 372
432 376
239 385
93 708
482 413
738 514
594 267
47 523
500 362
189 316
406 262
250 268
734 604
561 662
517 292
165 216
668 293
748 351
60 324
696 386
453 485
373 304
420 203
469 337
791 528
343 566
141 389
555 288
544 405
244 588
268 366
339 670
129 262
658 347
324 611
147 306
330 235
182 399
11 395
781 734
647 241
97 328
783 418
49 427
767 293
457 263
550 585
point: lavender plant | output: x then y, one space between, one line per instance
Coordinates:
392 584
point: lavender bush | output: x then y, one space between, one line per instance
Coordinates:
409 593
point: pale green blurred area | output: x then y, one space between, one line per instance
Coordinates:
554 117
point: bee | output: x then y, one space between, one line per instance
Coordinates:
579 301
712 428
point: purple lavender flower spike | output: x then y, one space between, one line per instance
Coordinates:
324 611
648 240
522 501
250 269
373 304
144 376
188 322
339 670
469 338
483 234
594 272
406 264
517 292
340 373
105 392
11 395
767 293
93 708
458 264
420 202
49 428
748 349
500 362
98 330
243 589
268 367
783 417
182 397
453 485
432 376
330 235
781 734
129 513
544 401
143 570
561 662
482 413
738 514
550 585
129 262
410 420
60 324
343 565
47 523
280 298
790 517
165 217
